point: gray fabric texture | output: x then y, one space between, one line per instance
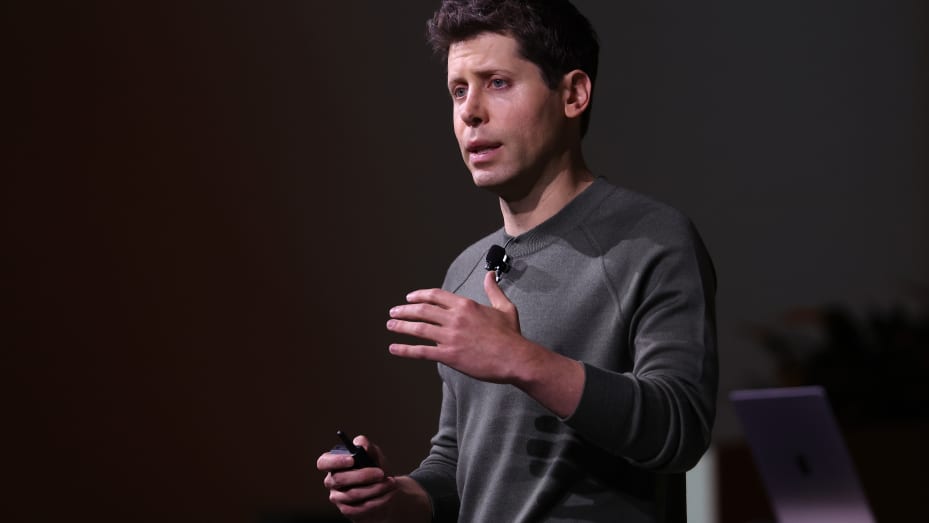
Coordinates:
623 284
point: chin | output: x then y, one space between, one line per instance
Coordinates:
487 179
504 185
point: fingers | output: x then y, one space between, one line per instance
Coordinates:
425 312
373 450
337 462
364 502
438 297
492 290
498 300
360 493
362 441
330 462
353 478
426 331
357 493
417 352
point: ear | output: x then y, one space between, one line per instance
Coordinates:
576 87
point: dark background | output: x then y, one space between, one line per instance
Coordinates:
209 208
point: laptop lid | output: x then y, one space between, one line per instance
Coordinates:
801 455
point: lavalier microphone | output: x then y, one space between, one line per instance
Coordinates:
497 261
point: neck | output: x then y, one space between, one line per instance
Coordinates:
551 192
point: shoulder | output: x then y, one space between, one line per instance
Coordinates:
626 215
635 232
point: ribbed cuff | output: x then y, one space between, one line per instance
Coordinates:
444 497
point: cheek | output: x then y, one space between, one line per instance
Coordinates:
458 128
545 123
520 123
530 129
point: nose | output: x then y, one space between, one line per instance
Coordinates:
472 111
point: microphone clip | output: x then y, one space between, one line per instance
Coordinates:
497 260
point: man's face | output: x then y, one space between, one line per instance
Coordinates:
511 127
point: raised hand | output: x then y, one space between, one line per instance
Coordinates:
483 342
486 344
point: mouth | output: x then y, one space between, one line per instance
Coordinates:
482 150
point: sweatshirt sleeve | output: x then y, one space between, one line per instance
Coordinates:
659 415
437 473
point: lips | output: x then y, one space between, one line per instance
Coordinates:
479 146
482 150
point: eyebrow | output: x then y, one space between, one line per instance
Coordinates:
482 73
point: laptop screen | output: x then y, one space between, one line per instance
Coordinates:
801 455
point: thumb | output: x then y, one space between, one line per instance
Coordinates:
373 450
498 300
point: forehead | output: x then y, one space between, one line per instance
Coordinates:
486 51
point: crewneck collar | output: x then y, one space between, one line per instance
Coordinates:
563 221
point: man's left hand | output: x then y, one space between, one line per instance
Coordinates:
480 341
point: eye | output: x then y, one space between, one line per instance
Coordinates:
459 91
498 83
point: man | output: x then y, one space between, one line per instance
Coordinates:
582 384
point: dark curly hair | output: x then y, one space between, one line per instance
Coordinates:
551 34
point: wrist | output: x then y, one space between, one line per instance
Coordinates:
533 366
554 380
415 505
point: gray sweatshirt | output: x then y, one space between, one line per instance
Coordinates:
623 284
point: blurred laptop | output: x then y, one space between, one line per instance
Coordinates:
800 453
